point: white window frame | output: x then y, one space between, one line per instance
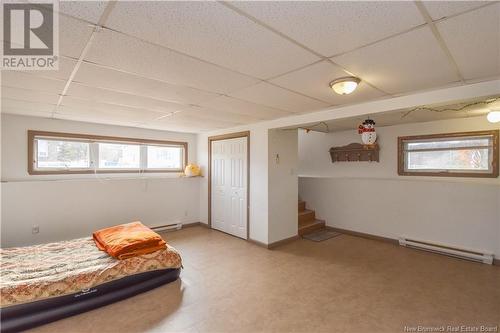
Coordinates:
94 141
492 147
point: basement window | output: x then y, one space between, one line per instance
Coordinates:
68 153
119 155
469 154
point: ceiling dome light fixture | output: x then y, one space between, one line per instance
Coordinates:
493 116
345 85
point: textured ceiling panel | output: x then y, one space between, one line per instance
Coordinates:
217 115
29 95
409 62
127 83
275 97
73 36
83 108
36 109
230 104
212 32
314 81
118 98
28 81
86 10
132 55
331 28
474 40
66 66
180 65
441 9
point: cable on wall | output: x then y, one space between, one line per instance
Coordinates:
463 107
310 128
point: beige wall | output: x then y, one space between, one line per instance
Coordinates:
372 198
69 206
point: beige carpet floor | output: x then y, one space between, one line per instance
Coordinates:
344 284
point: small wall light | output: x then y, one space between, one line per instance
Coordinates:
345 85
493 116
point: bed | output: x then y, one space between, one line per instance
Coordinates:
47 282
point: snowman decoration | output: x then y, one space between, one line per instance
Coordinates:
367 131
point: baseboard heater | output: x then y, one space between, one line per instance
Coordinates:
452 251
168 227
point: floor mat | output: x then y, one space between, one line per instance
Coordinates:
321 235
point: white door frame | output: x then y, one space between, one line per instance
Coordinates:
225 137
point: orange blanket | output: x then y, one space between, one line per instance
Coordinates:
128 240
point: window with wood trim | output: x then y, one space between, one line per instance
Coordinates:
467 154
68 153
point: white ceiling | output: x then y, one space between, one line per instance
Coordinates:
198 66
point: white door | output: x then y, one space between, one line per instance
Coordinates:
229 186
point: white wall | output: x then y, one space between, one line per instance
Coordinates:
283 184
259 199
258 211
273 188
372 198
69 206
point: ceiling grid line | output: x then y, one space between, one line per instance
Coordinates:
102 20
420 26
279 33
81 81
439 39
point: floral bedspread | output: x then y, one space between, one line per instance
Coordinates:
48 270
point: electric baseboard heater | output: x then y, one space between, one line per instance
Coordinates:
168 227
449 250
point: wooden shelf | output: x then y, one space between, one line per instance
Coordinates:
355 152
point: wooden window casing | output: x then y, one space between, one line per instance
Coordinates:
92 139
492 172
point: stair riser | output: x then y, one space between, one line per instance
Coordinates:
302 206
311 228
307 217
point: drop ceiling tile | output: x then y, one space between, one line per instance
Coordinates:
332 27
86 10
440 9
186 120
80 91
100 77
71 114
230 104
132 55
37 109
314 81
65 67
267 94
203 113
29 95
213 32
474 41
174 127
73 36
27 81
408 62
104 111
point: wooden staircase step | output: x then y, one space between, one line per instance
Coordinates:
311 226
302 205
306 216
